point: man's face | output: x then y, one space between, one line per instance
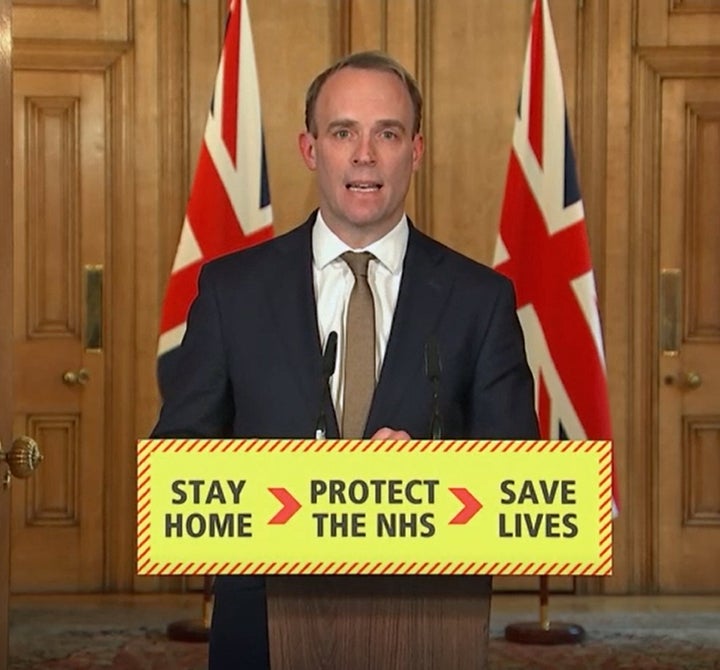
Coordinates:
364 153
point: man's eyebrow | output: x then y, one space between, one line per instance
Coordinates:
381 123
341 123
390 123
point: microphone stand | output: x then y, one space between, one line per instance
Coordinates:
328 368
433 368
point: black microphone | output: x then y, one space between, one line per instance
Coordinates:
328 368
433 368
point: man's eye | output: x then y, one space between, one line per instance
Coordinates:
389 134
342 134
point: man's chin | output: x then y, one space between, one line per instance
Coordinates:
366 215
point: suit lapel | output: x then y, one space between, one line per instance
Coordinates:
292 304
424 289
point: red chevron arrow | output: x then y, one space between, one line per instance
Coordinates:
290 505
472 506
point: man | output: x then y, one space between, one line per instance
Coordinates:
251 361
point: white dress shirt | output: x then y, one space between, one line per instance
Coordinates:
333 281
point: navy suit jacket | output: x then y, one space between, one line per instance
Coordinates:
250 364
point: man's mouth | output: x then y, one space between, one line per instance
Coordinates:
363 186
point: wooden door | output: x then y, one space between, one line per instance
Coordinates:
59 247
68 77
6 234
677 112
689 375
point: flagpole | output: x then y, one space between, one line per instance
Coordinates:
195 630
544 631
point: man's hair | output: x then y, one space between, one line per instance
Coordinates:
364 60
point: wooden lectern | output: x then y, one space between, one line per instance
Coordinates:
412 622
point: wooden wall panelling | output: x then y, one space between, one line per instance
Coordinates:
590 128
61 508
694 6
477 62
286 66
120 475
56 3
405 36
162 125
701 468
6 307
73 19
169 42
607 175
652 30
367 24
642 380
678 22
475 77
478 53
402 29
702 212
161 177
420 197
567 17
203 41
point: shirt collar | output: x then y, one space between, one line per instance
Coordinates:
389 249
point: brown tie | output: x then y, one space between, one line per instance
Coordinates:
359 348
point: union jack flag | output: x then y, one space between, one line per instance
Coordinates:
229 204
543 247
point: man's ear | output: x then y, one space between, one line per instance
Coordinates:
306 144
418 150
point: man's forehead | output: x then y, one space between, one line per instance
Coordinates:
350 92
350 81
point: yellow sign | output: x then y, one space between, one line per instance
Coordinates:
374 507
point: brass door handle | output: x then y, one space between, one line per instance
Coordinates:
22 460
686 380
72 378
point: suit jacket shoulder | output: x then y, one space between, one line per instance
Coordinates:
261 261
462 266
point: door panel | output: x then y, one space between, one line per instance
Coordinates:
6 296
60 219
689 395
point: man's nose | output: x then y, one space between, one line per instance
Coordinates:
364 153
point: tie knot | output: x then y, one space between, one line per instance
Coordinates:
358 261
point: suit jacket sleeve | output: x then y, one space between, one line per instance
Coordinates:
193 378
501 398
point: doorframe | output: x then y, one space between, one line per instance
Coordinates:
6 303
